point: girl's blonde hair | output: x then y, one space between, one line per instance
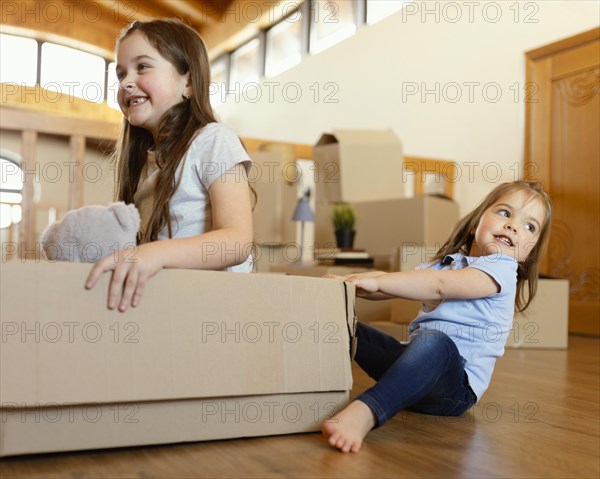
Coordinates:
184 49
462 236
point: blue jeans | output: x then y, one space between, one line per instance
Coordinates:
426 375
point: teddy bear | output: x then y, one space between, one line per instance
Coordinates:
87 234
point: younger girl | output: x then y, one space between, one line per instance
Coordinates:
470 287
185 172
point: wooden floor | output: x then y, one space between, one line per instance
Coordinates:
540 418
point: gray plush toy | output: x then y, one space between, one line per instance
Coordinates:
87 234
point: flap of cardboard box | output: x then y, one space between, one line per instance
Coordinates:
196 334
359 137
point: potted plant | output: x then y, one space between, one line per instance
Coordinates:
343 223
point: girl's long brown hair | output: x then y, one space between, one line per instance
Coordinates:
184 49
462 236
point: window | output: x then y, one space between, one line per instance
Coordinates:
11 185
113 86
72 72
218 81
18 60
331 23
379 9
284 44
245 63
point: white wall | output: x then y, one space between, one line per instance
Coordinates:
379 76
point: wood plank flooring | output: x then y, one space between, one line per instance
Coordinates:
540 418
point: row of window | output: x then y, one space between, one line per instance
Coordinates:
309 29
57 69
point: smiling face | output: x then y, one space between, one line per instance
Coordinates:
510 226
149 85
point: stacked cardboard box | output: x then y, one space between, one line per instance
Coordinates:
365 168
382 227
206 355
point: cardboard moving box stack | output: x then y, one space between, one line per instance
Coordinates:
353 166
365 168
206 355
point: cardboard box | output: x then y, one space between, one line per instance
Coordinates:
383 226
359 165
277 198
545 324
411 255
206 355
403 311
366 311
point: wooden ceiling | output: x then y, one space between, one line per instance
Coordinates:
223 24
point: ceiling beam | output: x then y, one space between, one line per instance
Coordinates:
197 13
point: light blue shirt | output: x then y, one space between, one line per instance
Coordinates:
478 327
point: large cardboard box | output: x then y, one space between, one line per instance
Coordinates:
206 355
359 165
383 226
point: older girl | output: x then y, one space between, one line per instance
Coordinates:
185 172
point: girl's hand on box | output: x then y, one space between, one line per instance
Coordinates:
131 269
365 286
334 276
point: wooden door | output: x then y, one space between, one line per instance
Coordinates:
563 151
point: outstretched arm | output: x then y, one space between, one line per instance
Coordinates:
226 245
426 284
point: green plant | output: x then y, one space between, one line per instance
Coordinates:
343 217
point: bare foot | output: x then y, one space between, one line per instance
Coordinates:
347 429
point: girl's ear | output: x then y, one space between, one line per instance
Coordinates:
187 93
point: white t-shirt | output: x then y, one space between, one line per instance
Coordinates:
215 150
